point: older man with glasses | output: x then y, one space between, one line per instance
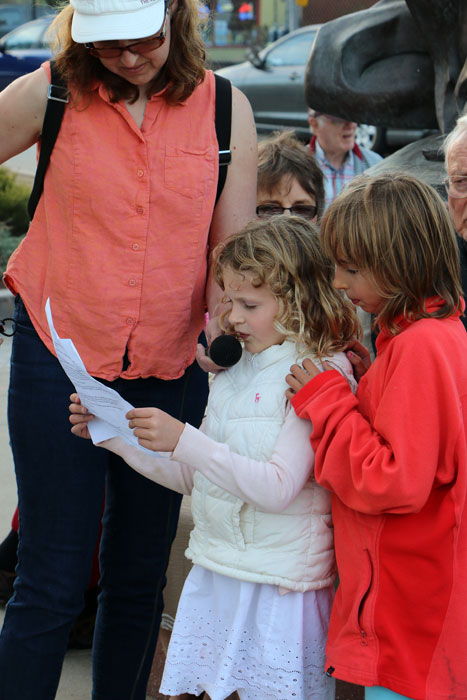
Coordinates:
339 156
455 152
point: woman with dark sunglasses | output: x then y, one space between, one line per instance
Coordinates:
119 243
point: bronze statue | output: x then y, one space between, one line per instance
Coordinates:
400 64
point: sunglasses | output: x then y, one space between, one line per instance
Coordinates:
7 327
306 211
104 49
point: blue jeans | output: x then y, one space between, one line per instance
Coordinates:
61 482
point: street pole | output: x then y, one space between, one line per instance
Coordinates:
292 19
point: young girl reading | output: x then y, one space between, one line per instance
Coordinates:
253 613
395 454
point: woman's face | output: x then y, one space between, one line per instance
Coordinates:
288 195
138 69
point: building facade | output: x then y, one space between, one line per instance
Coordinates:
244 23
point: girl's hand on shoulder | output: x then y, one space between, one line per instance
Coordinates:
79 417
359 358
155 429
301 375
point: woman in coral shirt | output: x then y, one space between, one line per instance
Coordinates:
119 243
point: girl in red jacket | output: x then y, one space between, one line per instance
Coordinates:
395 456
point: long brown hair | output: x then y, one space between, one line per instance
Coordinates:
396 230
183 71
284 253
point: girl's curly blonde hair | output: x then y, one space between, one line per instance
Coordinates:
284 253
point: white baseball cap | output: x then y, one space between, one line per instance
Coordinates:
100 20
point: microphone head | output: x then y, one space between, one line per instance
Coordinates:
225 350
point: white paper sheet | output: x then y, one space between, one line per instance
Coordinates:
108 407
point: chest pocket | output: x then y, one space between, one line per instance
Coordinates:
188 172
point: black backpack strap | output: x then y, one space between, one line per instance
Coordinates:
223 127
57 97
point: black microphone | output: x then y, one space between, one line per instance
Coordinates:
225 350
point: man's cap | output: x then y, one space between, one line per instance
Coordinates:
101 20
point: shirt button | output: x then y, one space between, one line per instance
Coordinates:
135 246
132 283
129 321
140 173
139 210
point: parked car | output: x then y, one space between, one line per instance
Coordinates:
24 49
11 16
273 81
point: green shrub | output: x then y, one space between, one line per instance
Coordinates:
13 204
8 244
14 219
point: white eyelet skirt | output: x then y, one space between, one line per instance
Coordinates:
231 635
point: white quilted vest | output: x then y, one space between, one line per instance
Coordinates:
293 549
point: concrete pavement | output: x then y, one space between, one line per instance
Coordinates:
23 165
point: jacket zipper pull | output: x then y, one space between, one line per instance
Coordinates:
330 671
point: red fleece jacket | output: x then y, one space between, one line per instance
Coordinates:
395 458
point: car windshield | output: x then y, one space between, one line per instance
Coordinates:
29 36
9 16
293 52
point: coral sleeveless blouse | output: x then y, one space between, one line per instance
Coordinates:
119 239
